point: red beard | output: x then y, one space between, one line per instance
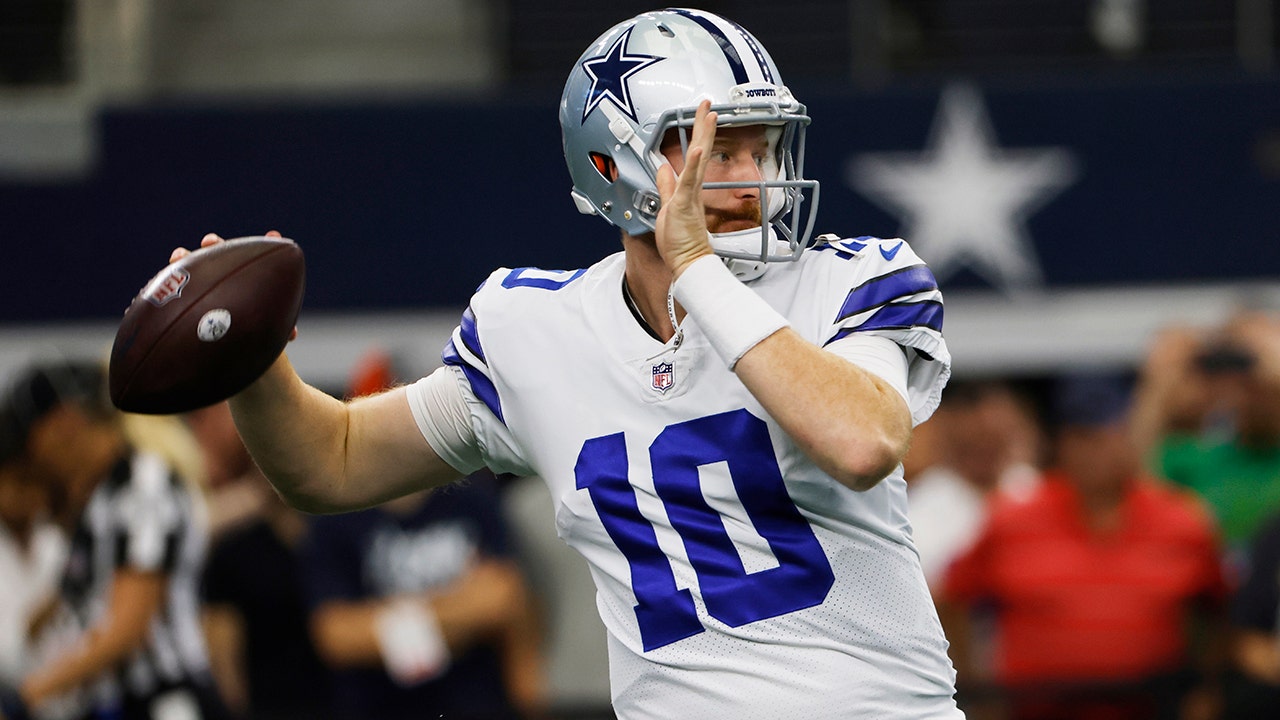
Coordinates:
741 218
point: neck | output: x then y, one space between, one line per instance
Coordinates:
1102 506
649 280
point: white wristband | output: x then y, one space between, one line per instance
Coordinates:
412 645
732 316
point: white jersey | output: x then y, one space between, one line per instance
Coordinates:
735 578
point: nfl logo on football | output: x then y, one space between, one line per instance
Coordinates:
166 286
664 376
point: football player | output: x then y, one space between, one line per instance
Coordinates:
719 410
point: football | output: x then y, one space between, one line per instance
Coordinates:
206 326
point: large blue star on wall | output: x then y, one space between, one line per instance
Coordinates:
609 74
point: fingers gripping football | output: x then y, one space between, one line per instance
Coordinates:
208 324
211 239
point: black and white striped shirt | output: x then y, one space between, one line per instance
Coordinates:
144 517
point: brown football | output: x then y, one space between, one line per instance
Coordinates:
205 327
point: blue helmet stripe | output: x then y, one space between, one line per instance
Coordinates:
887 288
726 45
480 383
755 50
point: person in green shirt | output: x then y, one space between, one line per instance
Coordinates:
1207 414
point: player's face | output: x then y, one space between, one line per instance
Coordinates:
738 155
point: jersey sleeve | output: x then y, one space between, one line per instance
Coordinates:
465 354
891 293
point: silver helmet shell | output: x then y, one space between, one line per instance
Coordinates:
646 76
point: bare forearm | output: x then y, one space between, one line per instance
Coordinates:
1258 655
482 604
325 455
224 638
849 422
297 436
134 599
96 656
346 635
1147 419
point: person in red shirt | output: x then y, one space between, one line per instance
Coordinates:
1090 583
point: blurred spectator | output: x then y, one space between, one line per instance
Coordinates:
924 452
1093 582
1208 413
576 644
420 611
255 613
1254 692
232 482
32 553
418 606
135 554
984 441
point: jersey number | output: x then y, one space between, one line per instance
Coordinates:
733 596
542 279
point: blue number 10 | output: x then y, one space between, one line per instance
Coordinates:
733 596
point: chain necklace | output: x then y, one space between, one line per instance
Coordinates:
671 313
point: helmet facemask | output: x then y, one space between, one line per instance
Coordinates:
786 225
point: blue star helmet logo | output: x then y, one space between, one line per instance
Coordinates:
609 74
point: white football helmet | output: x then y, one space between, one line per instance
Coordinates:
647 75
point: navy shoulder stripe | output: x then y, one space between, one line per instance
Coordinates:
886 288
470 336
480 383
470 358
899 316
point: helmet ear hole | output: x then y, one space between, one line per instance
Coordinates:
604 165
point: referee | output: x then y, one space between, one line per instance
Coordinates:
137 542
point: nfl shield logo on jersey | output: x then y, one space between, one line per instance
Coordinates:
664 376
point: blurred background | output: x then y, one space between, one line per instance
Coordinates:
1125 155
1095 183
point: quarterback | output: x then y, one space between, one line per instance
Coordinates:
719 410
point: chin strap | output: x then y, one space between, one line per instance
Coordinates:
745 270
745 241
